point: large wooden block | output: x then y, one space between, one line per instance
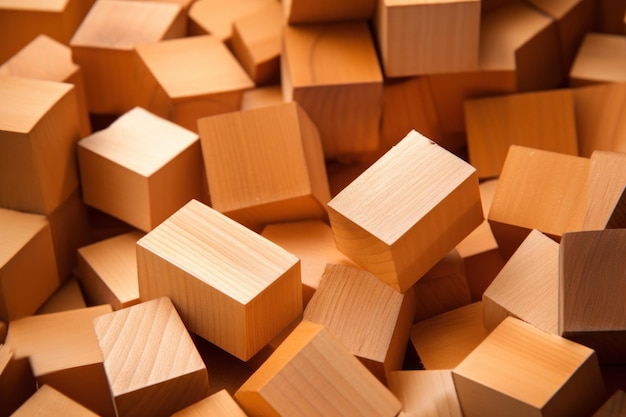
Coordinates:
519 370
141 169
49 402
67 297
312 373
218 404
614 406
17 383
38 135
601 58
189 78
401 236
425 393
231 272
605 192
103 47
303 11
332 71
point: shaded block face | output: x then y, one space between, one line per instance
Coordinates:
600 59
605 194
428 393
614 406
303 11
231 286
17 383
219 404
47 401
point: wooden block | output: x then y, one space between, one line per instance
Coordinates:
414 37
332 71
108 271
67 297
218 404
185 4
3 332
618 216
593 281
64 354
543 120
232 272
289 382
280 174
443 341
601 58
614 406
103 47
141 169
610 16
519 370
49 402
386 236
527 287
38 135
189 78
17 383
607 179
262 97
25 285
302 11
425 393
136 342
538 190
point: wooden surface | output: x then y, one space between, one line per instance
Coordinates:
67 297
16 380
302 11
607 179
425 393
262 97
49 402
601 58
218 404
614 406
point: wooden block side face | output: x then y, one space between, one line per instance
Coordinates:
607 178
539 63
48 401
301 11
17 383
220 403
67 297
428 392
600 58
438 294
614 406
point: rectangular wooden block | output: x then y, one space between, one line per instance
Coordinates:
601 58
48 402
17 383
425 393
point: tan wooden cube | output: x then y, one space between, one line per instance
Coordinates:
332 71
425 393
218 404
49 402
303 11
17 383
414 36
38 135
519 370
24 284
605 193
615 406
262 97
231 272
67 297
389 219
265 165
141 169
189 78
312 373
601 58
103 47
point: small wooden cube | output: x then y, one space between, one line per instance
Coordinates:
607 179
67 297
303 11
218 404
378 223
312 373
425 393
230 271
614 406
601 58
519 370
141 169
49 402
17 383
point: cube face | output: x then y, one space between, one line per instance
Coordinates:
301 11
54 403
600 58
430 392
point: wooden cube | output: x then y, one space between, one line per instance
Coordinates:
614 406
25 285
17 383
601 58
605 193
428 393
265 165
392 237
414 36
312 373
103 47
141 169
218 404
67 297
49 402
231 272
189 78
303 11
38 135
519 370
262 97
332 71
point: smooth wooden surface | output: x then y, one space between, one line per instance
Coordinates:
49 402
67 297
262 97
425 393
17 383
607 179
218 404
614 406
601 58
299 12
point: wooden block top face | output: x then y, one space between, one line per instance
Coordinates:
607 179
194 66
414 176
140 141
214 18
425 393
261 32
34 5
218 404
614 406
49 402
67 297
18 228
601 58
212 247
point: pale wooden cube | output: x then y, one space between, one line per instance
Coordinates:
49 402
601 58
67 297
17 383
231 272
425 393
141 169
605 193
303 11
218 404
390 219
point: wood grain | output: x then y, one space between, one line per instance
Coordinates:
425 393
47 402
218 404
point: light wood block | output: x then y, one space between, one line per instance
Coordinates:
49 402
103 47
332 71
425 393
443 341
141 169
312 373
25 285
136 342
189 78
67 297
422 183
593 282
614 406
607 179
302 11
519 370
262 97
64 354
414 36
108 271
543 120
538 190
38 135
17 383
218 404
265 165
231 271
601 58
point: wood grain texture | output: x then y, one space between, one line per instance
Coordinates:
49 402
614 406
218 404
607 179
382 220
425 393
302 11
600 59
17 383
67 297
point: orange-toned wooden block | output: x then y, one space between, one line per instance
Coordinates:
605 193
265 165
67 297
519 370
614 406
302 11
601 58
103 47
49 402
231 272
289 383
427 393
17 383
262 97
141 169
394 237
219 404
332 71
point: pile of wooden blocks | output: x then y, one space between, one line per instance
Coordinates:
313 208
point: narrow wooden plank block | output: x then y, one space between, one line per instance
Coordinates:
17 383
303 11
312 373
614 406
425 393
607 179
519 370
231 272
49 402
67 297
421 184
218 404
601 58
